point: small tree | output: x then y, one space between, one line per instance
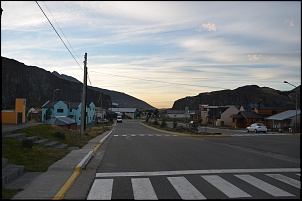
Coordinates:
156 115
48 114
174 123
163 123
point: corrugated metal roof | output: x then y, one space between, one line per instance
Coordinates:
284 115
176 112
123 109
60 120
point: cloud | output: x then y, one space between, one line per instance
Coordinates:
209 26
254 57
290 23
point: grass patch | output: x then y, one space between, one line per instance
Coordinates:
9 193
38 158
35 159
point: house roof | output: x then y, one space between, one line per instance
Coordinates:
284 115
123 109
248 115
50 104
72 105
60 120
268 108
216 112
175 111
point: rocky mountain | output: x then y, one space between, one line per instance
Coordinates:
37 86
247 96
65 77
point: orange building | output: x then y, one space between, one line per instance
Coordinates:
16 116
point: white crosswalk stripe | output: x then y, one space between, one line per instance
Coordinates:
101 190
226 187
185 189
264 186
286 179
143 188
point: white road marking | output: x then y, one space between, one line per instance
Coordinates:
185 189
226 187
184 172
286 179
101 190
264 186
142 189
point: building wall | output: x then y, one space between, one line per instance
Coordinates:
9 117
13 116
69 126
60 109
90 112
226 115
20 106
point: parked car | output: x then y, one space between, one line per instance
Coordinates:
102 121
257 127
119 119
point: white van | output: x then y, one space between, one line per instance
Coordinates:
119 119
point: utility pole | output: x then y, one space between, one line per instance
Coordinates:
83 112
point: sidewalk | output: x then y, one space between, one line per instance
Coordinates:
54 183
10 128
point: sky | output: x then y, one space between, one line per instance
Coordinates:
159 51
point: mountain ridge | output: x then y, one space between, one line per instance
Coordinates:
248 96
37 86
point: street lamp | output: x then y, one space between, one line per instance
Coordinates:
296 104
53 95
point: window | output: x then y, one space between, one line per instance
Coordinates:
60 110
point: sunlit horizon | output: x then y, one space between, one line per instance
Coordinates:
157 51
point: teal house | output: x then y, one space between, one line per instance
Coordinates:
68 109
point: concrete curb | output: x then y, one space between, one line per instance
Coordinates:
186 134
62 192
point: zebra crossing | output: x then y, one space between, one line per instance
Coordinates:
144 187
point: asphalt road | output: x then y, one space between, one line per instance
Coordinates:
140 163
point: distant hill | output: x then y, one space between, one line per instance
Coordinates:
65 77
247 96
37 85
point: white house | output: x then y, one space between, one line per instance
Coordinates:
285 121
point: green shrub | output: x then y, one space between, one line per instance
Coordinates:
174 124
59 135
27 143
155 122
163 123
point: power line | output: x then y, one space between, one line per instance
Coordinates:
58 34
61 29
150 80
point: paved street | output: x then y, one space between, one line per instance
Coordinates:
141 163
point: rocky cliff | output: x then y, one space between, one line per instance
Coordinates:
247 96
37 86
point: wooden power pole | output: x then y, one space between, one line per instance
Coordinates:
83 111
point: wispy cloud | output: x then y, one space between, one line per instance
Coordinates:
159 51
209 26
